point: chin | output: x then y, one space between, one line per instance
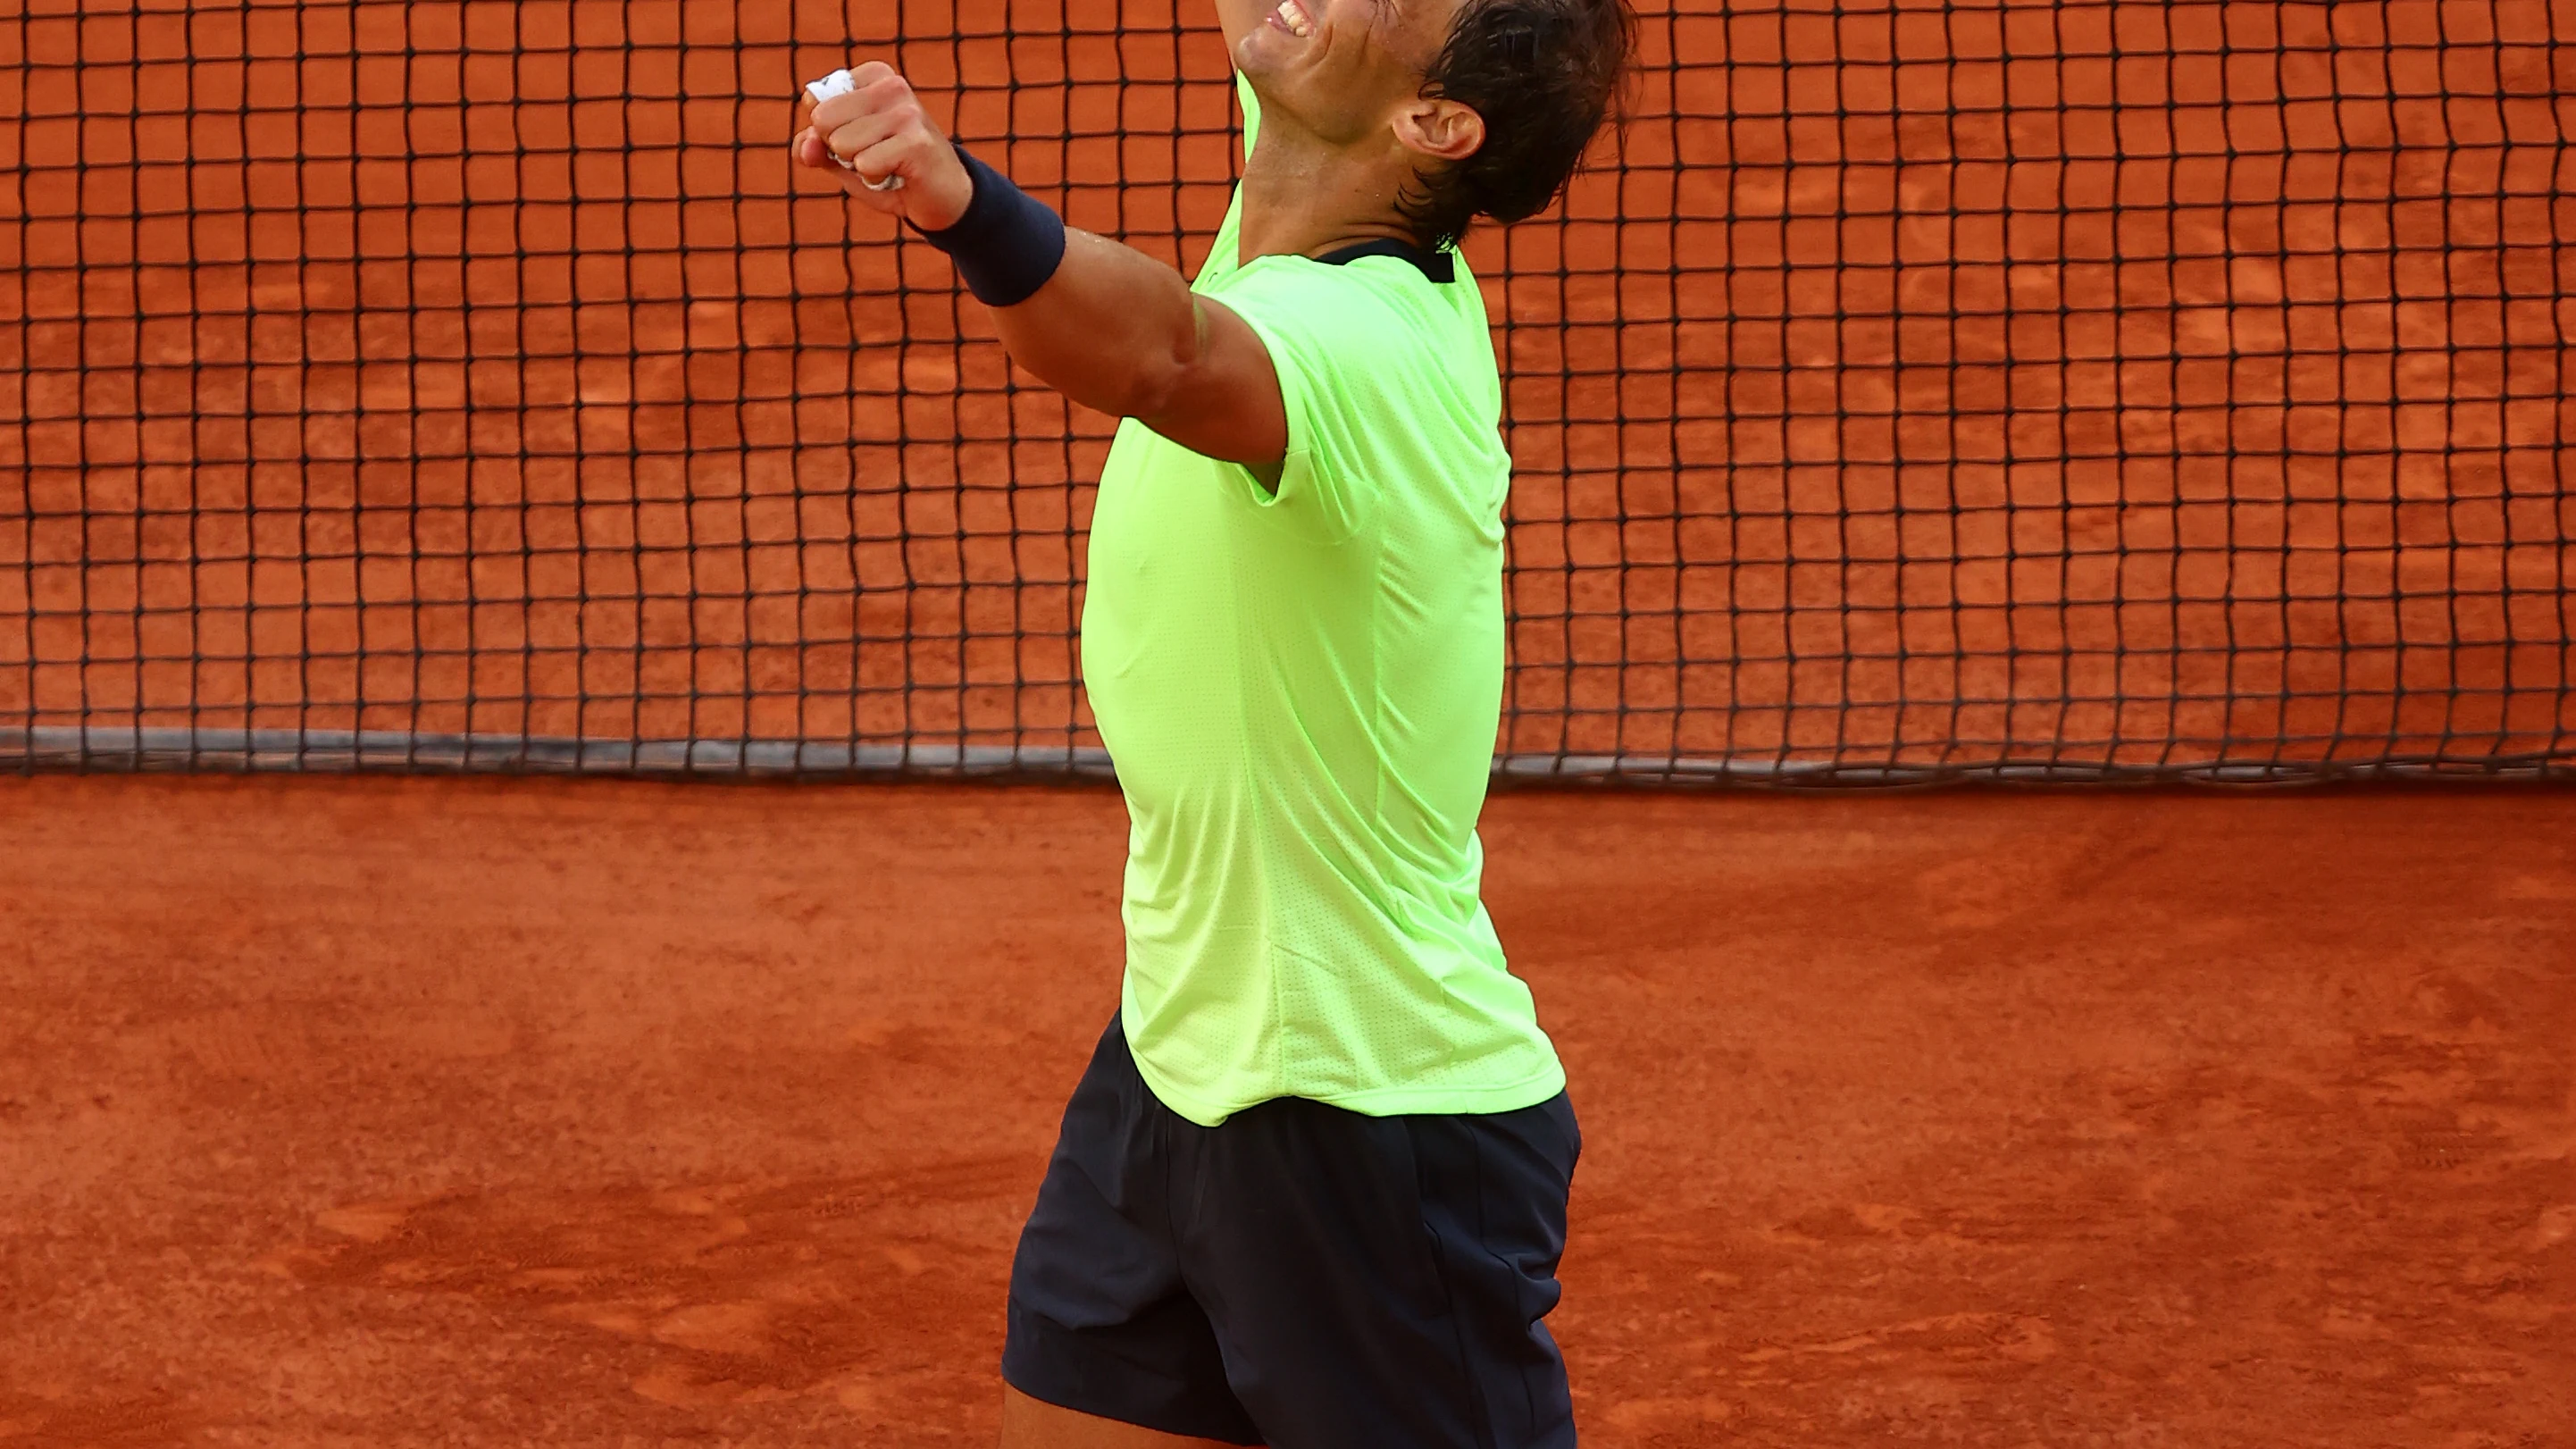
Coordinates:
1258 59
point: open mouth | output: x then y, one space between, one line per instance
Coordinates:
1292 17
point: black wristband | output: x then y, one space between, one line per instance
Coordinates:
1007 244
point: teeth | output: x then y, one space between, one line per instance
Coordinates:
1294 16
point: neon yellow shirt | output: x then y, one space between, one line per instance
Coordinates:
1300 691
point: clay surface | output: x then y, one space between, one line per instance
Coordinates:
395 1113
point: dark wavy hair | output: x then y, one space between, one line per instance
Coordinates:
1545 75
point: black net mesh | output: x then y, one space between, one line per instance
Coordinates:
1927 390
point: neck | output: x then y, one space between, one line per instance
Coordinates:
1304 198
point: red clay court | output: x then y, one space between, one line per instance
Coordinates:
403 1112
1920 392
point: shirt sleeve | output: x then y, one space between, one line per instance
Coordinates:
1343 358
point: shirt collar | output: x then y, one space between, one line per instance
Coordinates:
1441 267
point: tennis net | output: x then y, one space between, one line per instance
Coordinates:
1920 391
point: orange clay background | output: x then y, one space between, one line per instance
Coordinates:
398 1113
2133 384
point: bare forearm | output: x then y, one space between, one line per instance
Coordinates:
1109 327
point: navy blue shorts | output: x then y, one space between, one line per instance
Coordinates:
1302 1276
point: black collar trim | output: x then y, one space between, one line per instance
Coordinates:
1440 267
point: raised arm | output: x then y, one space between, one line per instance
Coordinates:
1107 326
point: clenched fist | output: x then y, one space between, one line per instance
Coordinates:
876 134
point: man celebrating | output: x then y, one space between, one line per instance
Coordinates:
1311 1190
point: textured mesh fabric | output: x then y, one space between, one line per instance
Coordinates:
1300 687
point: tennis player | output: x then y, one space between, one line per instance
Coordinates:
1311 1190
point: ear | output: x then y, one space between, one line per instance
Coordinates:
1444 130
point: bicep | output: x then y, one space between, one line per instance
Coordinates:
1227 404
